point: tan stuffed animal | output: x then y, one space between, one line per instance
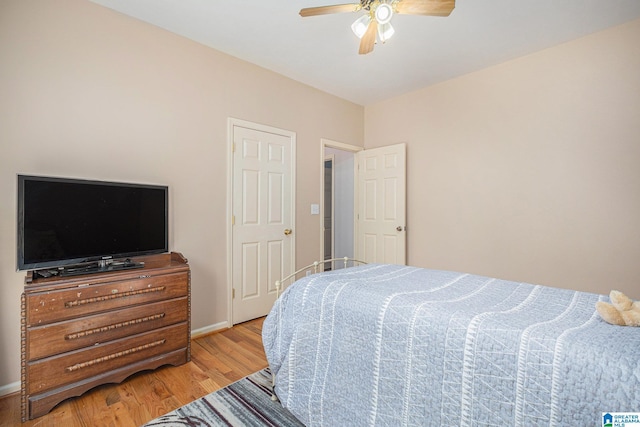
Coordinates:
623 311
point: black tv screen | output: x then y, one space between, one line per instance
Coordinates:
64 221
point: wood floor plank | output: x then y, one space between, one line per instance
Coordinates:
232 354
217 360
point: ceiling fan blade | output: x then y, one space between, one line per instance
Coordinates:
426 7
325 10
369 38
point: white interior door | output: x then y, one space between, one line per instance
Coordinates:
263 218
381 211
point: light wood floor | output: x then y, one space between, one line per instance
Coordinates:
216 361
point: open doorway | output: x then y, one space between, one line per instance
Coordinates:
338 201
327 211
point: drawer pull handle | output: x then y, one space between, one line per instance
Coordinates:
106 328
113 356
79 302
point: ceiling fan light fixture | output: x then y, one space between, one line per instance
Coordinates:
375 24
385 31
359 27
383 13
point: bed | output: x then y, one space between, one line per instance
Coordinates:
397 345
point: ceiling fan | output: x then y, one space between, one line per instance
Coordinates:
375 23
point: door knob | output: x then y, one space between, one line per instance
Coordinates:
287 231
399 228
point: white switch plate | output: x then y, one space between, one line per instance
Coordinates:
315 209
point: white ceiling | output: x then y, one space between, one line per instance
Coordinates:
321 51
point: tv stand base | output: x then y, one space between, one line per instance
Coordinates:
95 267
99 268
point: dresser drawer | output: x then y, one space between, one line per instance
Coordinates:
54 306
55 338
56 371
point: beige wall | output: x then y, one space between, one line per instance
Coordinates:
529 170
87 92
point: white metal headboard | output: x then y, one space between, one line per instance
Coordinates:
315 267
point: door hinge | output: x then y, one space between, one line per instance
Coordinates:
233 293
233 147
233 220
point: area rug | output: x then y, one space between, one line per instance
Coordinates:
246 402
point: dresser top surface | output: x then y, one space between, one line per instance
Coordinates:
153 264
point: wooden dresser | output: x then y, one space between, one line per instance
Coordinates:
82 331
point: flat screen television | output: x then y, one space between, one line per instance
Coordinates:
66 222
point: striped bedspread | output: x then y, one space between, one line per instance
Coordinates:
394 345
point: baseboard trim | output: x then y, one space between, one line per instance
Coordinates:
196 333
10 388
